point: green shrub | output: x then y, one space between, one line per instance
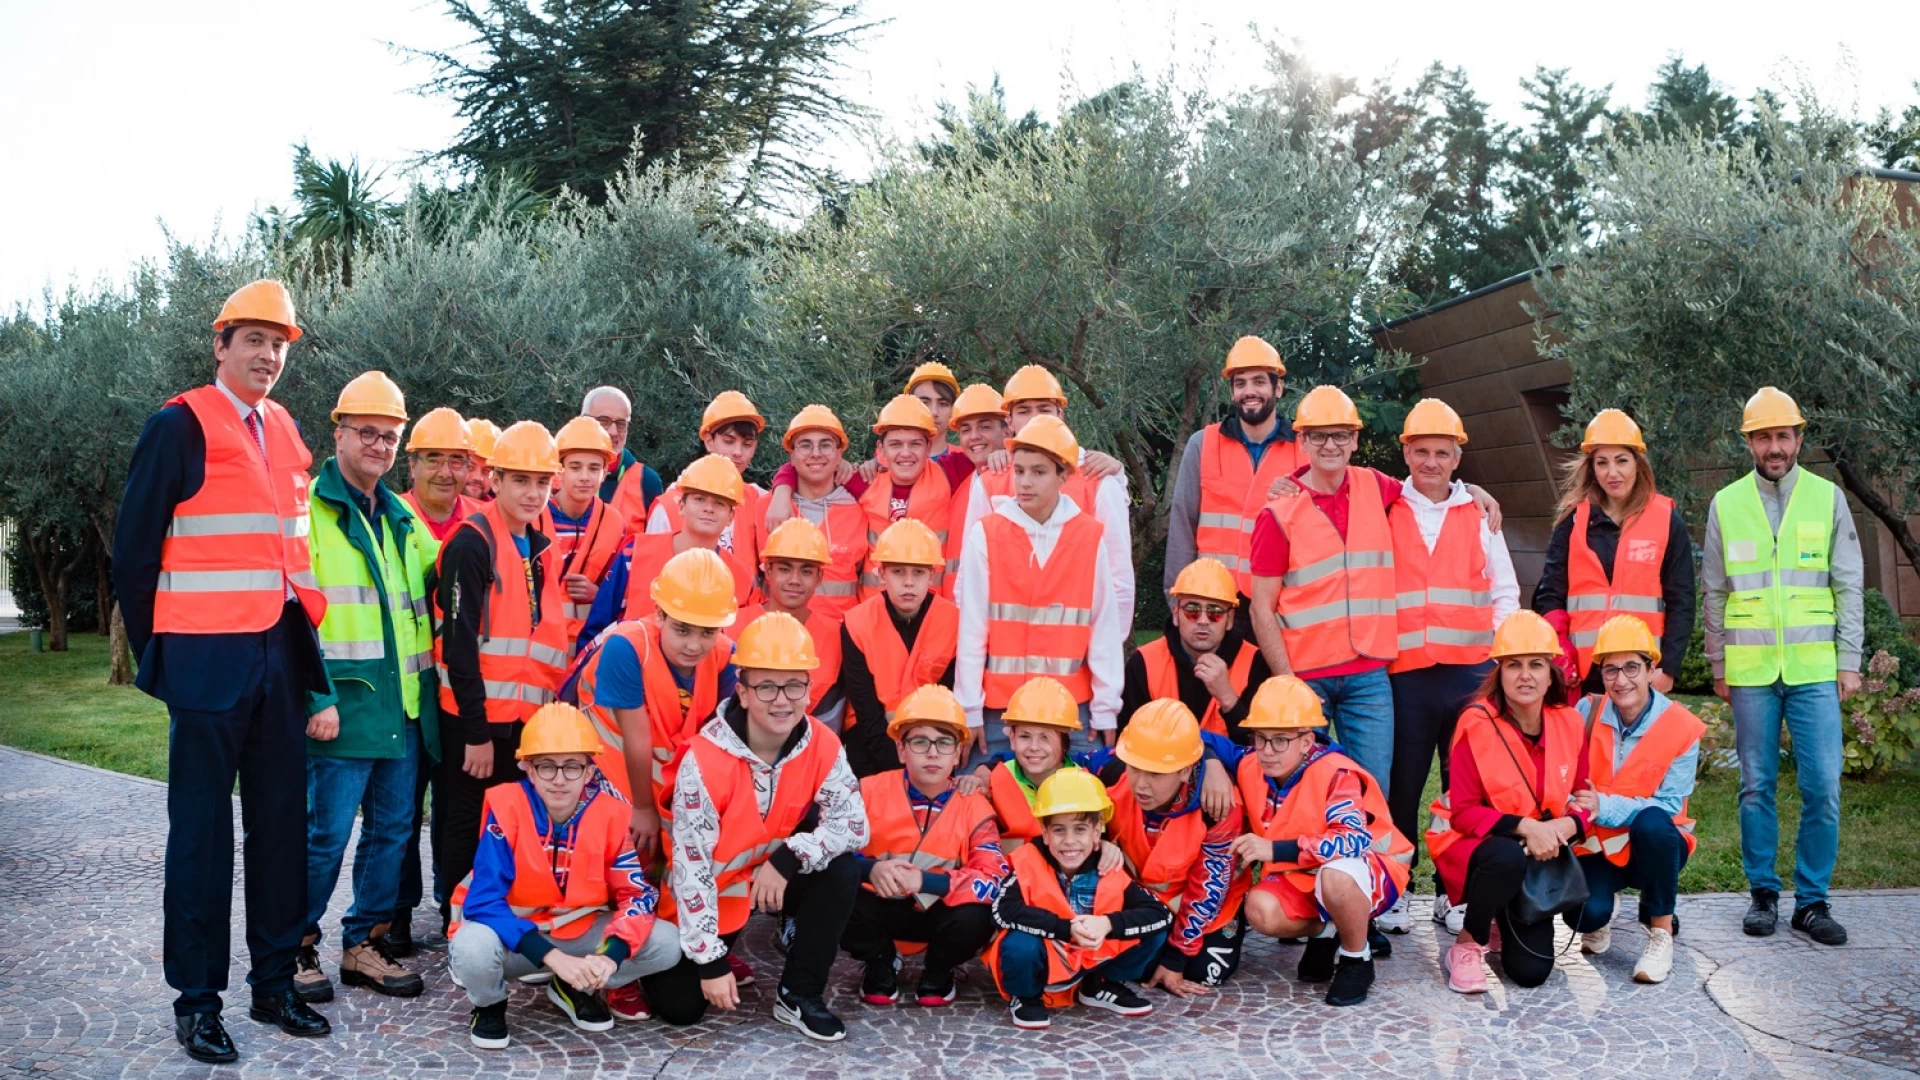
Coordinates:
1882 729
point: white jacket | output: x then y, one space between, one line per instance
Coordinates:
1110 508
1430 515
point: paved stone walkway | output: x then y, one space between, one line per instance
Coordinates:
81 995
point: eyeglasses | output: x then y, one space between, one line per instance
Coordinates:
1630 670
371 435
766 691
921 744
611 422
809 447
1329 438
1209 612
572 770
435 461
1278 742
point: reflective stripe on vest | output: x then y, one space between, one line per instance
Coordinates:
1781 614
359 620
1337 596
1231 494
1444 602
521 663
894 829
1562 736
1039 617
1670 734
1163 678
1635 587
897 671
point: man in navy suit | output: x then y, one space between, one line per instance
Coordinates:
211 566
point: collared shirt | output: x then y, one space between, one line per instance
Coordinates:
1430 516
1618 811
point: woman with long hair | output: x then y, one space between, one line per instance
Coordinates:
1619 547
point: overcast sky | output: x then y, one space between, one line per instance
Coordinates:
119 116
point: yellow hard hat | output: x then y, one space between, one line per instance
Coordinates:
1770 407
1324 407
813 418
440 429
978 399
1252 354
481 435
908 542
371 393
799 539
930 704
1051 436
1033 383
1431 416
1611 427
1284 703
1044 701
1162 737
1206 579
775 641
1072 791
585 433
1525 633
1627 634
936 371
714 475
558 728
726 407
696 588
264 301
906 411
525 447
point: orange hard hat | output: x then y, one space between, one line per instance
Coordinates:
714 475
1611 427
1770 407
1162 737
930 704
1525 633
1044 701
371 393
585 433
440 429
1051 436
726 407
1627 634
775 641
481 435
908 542
1324 407
813 418
1431 416
1284 703
696 587
525 447
906 411
264 301
1033 383
1206 579
799 539
936 371
1252 354
558 728
978 399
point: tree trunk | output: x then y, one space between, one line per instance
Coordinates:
120 671
103 594
43 549
1876 504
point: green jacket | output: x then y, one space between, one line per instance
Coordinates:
379 679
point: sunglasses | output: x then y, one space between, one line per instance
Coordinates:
1209 612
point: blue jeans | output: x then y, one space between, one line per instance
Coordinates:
1360 708
1023 963
381 790
1812 715
1656 852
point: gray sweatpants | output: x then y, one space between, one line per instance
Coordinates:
483 965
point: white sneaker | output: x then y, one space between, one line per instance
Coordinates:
1456 919
1440 907
1395 919
1597 942
1657 962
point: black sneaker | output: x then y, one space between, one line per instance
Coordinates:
936 990
1029 1013
1352 978
1763 915
881 985
810 1015
1316 960
588 1012
1378 941
1115 997
488 1027
1817 922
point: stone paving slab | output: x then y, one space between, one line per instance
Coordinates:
81 995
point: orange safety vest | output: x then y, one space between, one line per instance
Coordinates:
746 838
671 727
897 672
1013 807
894 830
535 894
650 554
1444 600
630 497
846 527
956 534
1673 732
929 501
1163 678
1508 791
1166 861
825 632
1304 813
1066 962
588 552
521 663
234 547
1337 596
1635 588
1231 494
998 488
1040 617
744 515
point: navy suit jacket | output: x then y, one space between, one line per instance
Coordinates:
201 672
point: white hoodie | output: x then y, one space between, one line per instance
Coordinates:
1430 515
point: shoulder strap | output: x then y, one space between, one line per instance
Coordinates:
1526 775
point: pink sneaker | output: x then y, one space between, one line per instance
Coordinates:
742 974
628 1002
1466 974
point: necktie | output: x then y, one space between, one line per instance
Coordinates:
253 429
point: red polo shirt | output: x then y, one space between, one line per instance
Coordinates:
1270 548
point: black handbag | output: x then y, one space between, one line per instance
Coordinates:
1552 886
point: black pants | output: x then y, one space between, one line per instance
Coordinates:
1494 873
412 882
261 740
1219 955
818 903
465 806
954 933
1426 702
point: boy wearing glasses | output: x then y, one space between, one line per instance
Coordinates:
439 461
1203 664
932 866
556 886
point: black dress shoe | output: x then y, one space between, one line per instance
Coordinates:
287 1012
205 1038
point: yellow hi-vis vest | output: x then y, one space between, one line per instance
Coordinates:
354 632
1780 621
